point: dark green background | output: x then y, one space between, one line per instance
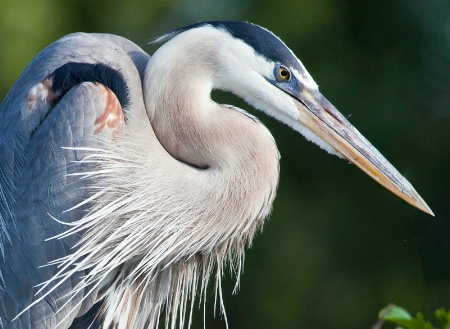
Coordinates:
338 247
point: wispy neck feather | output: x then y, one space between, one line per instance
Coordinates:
159 226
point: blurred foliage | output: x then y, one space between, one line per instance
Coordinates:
337 246
401 317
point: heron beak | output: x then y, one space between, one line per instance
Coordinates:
321 117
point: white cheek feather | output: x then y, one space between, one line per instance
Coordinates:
261 94
243 72
245 75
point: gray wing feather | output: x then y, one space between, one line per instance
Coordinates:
35 162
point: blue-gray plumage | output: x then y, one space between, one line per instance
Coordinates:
36 162
123 185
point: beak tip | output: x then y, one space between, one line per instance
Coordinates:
324 120
427 210
419 203
424 207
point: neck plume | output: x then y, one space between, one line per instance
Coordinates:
180 194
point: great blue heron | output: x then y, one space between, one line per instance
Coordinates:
123 186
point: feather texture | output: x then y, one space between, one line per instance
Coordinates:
153 209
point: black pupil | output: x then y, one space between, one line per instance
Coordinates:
284 73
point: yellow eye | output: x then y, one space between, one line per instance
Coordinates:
283 73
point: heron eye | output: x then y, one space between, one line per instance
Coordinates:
283 73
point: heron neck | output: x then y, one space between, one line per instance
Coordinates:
197 131
236 159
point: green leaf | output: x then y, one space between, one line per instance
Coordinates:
401 317
393 312
443 317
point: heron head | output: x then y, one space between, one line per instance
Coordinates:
257 66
